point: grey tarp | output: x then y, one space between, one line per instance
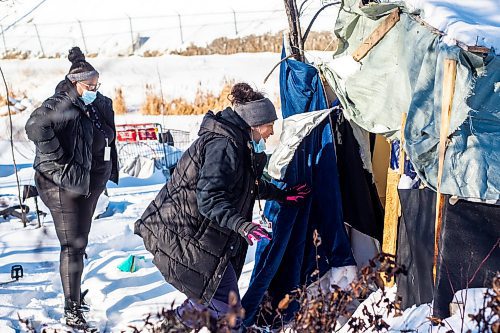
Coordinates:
403 73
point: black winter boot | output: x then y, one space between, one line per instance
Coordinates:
74 318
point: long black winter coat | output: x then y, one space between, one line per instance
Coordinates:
190 227
63 136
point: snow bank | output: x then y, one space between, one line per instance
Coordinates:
180 76
470 22
416 318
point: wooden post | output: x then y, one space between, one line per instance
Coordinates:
180 28
3 38
132 45
83 36
235 23
449 77
392 204
39 40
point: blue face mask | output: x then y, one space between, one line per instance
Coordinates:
259 147
88 96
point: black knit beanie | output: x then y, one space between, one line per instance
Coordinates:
80 69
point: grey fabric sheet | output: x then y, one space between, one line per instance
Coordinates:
403 73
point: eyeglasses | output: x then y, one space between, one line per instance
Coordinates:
91 87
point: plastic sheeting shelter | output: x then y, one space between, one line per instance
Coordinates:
390 63
403 72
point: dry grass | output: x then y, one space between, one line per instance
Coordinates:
153 104
323 41
203 101
15 94
119 105
152 53
15 54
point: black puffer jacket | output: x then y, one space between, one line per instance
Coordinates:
63 136
190 227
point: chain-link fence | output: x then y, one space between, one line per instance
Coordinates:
143 35
134 35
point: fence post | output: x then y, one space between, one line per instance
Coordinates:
131 34
180 28
39 40
235 25
3 38
83 37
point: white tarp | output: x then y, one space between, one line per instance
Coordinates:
295 129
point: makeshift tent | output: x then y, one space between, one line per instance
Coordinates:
389 64
403 73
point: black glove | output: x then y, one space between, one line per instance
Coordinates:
252 231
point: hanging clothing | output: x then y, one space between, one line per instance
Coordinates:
289 259
361 206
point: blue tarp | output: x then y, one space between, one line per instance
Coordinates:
288 261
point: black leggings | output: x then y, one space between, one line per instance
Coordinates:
72 215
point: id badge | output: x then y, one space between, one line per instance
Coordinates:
107 153
265 222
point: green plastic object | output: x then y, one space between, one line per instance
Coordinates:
130 264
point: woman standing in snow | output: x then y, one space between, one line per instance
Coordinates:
74 132
199 226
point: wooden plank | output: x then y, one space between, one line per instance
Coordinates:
474 48
402 155
392 209
478 49
449 78
377 35
392 204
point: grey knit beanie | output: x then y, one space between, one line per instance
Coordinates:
80 69
256 113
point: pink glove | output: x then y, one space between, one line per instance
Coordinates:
296 194
253 232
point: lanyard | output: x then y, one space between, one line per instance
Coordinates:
94 117
263 220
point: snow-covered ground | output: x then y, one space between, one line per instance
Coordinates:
119 299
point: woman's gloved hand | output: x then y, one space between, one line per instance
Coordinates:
253 232
296 194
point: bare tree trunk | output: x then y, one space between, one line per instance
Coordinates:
295 35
